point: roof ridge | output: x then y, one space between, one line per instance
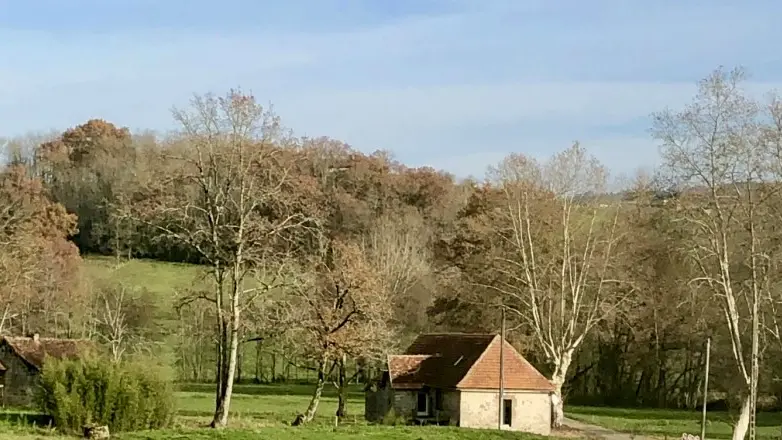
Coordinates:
414 356
458 334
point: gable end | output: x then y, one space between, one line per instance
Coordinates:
519 374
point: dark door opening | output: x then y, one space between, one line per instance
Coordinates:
422 406
507 412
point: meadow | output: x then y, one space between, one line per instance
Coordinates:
265 411
261 411
666 423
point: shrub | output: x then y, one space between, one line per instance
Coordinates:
126 397
393 419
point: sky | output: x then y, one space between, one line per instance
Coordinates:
453 84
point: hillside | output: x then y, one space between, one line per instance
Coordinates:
161 278
167 334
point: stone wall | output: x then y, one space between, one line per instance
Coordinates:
20 379
531 410
377 403
451 406
405 403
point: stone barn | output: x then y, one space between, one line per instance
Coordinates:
21 361
454 379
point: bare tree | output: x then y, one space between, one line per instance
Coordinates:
195 341
223 189
715 150
112 320
555 249
342 311
397 248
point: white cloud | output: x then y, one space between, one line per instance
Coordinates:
458 90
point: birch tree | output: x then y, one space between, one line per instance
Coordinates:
223 188
714 149
555 245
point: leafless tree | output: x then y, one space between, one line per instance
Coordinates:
397 248
342 311
556 245
716 151
223 188
112 321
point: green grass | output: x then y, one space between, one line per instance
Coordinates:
161 278
672 423
268 405
350 432
264 411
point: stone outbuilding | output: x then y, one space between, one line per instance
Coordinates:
454 379
22 359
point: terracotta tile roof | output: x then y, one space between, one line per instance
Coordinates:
519 373
456 360
405 371
34 352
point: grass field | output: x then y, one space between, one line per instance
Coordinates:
265 405
263 411
273 406
160 278
672 423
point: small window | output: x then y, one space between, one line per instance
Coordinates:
507 412
422 407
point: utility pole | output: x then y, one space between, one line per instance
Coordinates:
705 389
501 403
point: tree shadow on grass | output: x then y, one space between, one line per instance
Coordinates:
634 413
354 391
18 417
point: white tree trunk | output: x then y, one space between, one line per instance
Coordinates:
224 405
558 380
740 430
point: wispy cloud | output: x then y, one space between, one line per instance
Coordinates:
449 83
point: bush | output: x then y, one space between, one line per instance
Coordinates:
393 419
126 397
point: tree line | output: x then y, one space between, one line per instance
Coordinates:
333 258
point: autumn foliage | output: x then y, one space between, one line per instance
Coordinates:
323 258
39 266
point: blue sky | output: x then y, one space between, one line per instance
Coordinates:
454 84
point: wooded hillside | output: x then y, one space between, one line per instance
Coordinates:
305 255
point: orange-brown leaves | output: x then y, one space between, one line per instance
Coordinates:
25 208
85 141
83 144
38 265
342 305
